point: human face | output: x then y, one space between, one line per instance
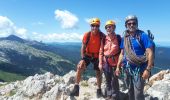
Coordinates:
110 29
94 28
131 26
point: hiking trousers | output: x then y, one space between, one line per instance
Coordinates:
135 84
112 85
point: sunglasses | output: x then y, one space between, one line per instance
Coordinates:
108 27
94 25
133 23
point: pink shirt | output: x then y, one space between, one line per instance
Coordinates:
111 47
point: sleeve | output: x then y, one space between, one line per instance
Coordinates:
147 42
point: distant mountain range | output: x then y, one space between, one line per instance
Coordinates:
25 58
20 57
162 58
162 54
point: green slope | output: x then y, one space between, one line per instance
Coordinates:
23 59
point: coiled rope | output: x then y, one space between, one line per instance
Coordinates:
130 54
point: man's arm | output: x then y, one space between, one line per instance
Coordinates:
119 63
150 58
82 50
120 59
146 72
101 55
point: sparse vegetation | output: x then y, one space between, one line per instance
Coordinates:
8 77
27 58
3 84
87 94
12 92
84 83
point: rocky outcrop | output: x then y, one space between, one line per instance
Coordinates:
158 88
54 87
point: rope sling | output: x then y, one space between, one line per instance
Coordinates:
130 54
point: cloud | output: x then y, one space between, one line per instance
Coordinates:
22 32
66 18
56 37
7 27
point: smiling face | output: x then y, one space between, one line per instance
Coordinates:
110 29
94 28
131 26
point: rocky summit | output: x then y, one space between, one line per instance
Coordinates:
54 87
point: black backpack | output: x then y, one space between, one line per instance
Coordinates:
151 37
102 37
119 39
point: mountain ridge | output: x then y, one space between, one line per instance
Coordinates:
24 57
34 53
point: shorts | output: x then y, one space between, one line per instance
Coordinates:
94 61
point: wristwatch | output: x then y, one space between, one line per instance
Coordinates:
149 70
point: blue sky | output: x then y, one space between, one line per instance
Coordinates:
67 20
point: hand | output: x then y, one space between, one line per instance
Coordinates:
81 64
145 74
100 67
117 72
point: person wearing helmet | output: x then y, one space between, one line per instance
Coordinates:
137 66
89 53
108 58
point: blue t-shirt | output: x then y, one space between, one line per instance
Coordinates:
138 47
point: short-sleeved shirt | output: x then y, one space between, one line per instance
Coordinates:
111 47
136 47
93 45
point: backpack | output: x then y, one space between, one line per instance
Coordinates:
119 39
151 37
102 37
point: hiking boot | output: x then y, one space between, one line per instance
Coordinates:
99 93
75 91
110 98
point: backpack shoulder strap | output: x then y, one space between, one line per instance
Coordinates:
150 35
119 42
88 38
119 39
86 41
102 37
139 39
102 41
